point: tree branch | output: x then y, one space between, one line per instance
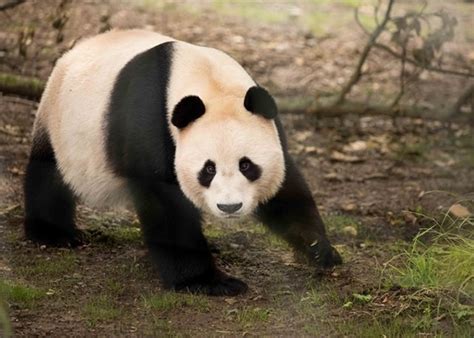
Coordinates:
365 53
416 63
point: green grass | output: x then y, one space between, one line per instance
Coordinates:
338 224
167 301
249 316
111 231
444 261
437 270
20 295
100 309
49 267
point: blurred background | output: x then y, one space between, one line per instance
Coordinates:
377 98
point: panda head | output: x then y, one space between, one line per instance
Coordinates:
228 154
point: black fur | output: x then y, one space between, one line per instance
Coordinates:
293 214
49 203
187 110
249 169
259 101
205 177
140 148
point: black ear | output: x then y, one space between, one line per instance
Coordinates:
189 109
259 101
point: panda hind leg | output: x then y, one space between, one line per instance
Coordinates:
49 202
172 230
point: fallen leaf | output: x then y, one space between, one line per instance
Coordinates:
340 157
349 207
355 146
459 211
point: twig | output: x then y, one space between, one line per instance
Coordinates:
402 75
365 53
418 64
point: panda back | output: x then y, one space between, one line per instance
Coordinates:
73 108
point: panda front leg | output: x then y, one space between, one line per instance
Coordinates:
49 202
293 214
173 234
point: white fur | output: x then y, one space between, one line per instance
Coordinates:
73 107
78 91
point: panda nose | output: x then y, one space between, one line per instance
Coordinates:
229 208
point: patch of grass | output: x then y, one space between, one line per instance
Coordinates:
116 234
50 266
248 316
438 273
20 295
167 301
100 309
338 224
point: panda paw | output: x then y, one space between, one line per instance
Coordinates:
325 255
48 234
219 286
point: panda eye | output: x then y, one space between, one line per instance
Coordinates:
244 165
207 173
249 169
211 169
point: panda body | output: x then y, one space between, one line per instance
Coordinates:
173 129
74 103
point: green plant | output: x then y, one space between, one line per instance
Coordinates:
100 309
21 295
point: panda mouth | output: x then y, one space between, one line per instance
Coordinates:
232 216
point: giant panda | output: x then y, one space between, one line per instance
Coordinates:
175 130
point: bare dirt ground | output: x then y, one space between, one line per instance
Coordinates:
365 174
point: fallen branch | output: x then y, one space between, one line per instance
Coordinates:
355 108
27 87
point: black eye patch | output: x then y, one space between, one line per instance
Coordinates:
207 173
249 169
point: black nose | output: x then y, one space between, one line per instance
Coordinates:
229 208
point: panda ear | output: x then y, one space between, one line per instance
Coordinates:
189 109
259 101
